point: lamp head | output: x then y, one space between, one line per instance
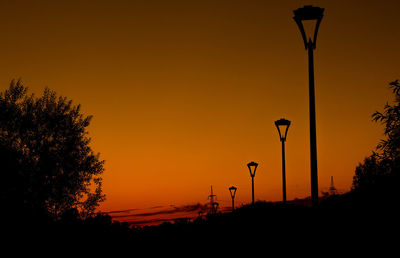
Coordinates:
215 206
282 124
232 190
252 168
305 14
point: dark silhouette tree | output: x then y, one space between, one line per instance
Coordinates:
380 172
390 118
46 163
366 173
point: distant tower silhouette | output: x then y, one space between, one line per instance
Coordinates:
332 188
213 204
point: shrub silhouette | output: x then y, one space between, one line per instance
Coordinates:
377 178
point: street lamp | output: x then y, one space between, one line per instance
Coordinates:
252 168
215 206
302 15
232 190
201 214
284 124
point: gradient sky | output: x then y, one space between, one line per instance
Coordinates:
185 93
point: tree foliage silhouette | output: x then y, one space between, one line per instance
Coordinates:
46 164
380 171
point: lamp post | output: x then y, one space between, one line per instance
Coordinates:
232 190
301 15
284 124
215 206
252 168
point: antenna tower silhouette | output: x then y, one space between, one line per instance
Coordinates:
332 188
213 204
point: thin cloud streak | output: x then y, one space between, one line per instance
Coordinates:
174 210
153 221
130 210
121 211
160 214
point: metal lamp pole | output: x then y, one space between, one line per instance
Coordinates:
282 136
232 190
308 13
252 168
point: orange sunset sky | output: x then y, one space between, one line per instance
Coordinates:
185 93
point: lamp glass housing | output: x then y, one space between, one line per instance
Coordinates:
252 168
232 190
309 14
283 126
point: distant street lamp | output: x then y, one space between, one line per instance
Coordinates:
215 206
252 168
232 190
284 124
302 15
201 214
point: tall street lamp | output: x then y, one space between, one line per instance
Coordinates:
284 125
252 168
303 15
232 190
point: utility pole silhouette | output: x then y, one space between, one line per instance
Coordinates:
213 205
332 188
